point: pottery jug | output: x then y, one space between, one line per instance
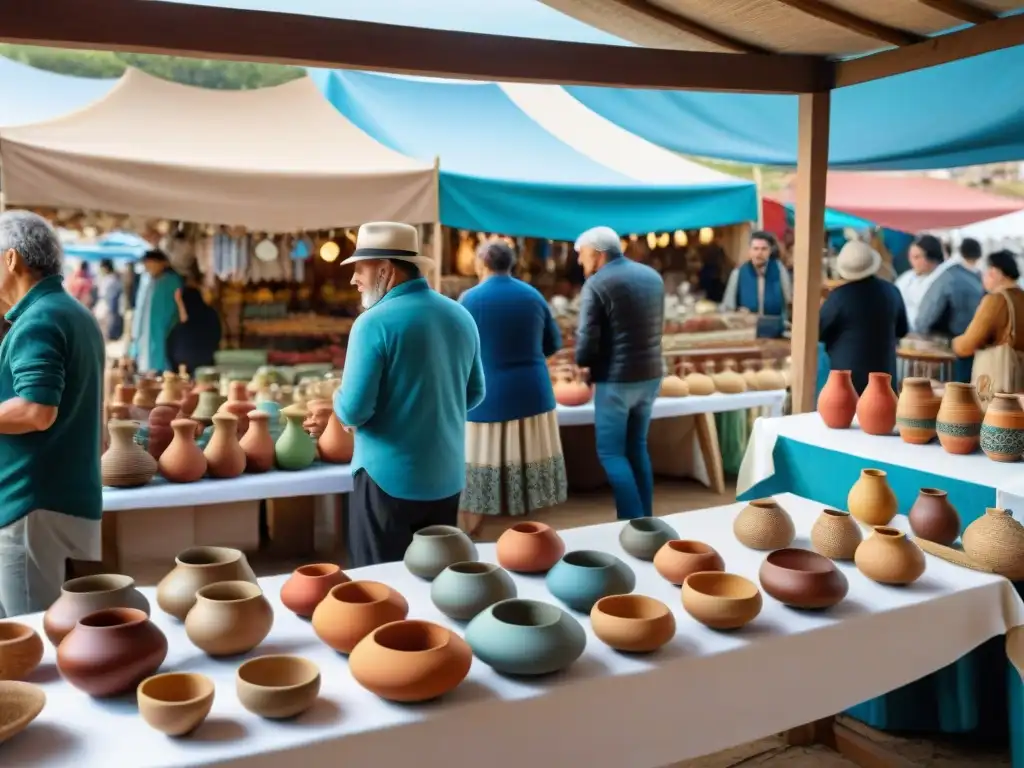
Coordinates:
529 548
295 449
257 444
224 456
170 393
275 421
728 381
159 432
111 651
996 540
194 569
837 402
210 401
229 618
698 383
802 579
436 547
525 637
88 594
933 518
750 374
763 524
144 400
770 377
309 585
958 422
353 610
876 409
125 464
836 535
336 443
916 409
889 557
871 500
644 536
673 386
238 403
1002 430
583 577
678 558
462 590
632 623
183 461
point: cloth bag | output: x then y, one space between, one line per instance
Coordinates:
999 368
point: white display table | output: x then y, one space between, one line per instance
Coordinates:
670 407
704 692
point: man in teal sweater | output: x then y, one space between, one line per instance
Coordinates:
412 371
51 381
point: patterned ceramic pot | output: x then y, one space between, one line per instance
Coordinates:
763 524
1002 431
836 535
916 411
996 540
958 423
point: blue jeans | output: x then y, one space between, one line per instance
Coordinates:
622 416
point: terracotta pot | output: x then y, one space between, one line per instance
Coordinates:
183 461
871 500
932 517
530 548
195 568
125 464
644 536
159 428
763 524
1002 430
462 590
110 652
175 703
353 610
309 585
436 547
239 405
889 557
295 449
677 559
996 540
410 661
770 377
229 618
145 399
257 443
224 456
837 403
123 395
916 409
210 401
721 600
170 393
698 383
572 393
802 579
88 594
673 386
21 650
728 382
750 374
277 687
336 444
632 623
958 423
836 535
876 409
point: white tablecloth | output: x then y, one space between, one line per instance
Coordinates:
669 407
703 692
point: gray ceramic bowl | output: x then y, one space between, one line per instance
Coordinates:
526 637
643 537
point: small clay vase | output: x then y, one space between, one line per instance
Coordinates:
183 461
195 568
837 403
802 579
336 444
309 585
21 650
88 594
673 386
916 409
210 401
644 536
238 403
678 558
933 518
257 444
462 590
229 618
770 377
159 431
871 500
698 383
889 557
353 610
295 449
876 409
750 374
144 400
123 395
170 393
224 456
125 464
996 541
632 623
763 524
530 548
436 547
958 422
836 535
275 422
728 382
1002 430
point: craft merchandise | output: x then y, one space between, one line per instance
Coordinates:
88 594
294 449
673 386
632 623
698 383
175 703
802 579
721 600
837 403
763 524
916 411
308 585
229 618
462 590
678 558
183 461
194 569
530 548
728 381
21 650
336 444
277 686
225 458
159 432
239 405
958 422
871 500
22 704
257 443
1002 430
436 547
876 408
889 557
125 464
644 536
583 577
750 374
836 535
770 377
932 517
526 637
570 389
353 610
996 540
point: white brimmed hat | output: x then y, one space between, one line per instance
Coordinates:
388 240
857 260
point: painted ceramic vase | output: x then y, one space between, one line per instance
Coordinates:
111 651
889 557
238 403
462 590
159 431
673 386
958 423
644 536
308 585
436 547
257 444
583 577
183 461
871 500
933 518
530 548
125 464
195 568
295 449
353 610
632 623
224 455
210 401
88 594
1002 429
721 600
837 403
763 524
876 408
996 540
698 383
770 377
916 410
802 579
836 535
678 558
336 444
229 618
526 637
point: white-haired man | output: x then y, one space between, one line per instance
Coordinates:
622 311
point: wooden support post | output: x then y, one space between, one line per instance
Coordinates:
809 240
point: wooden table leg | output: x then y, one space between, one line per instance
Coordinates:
855 747
707 438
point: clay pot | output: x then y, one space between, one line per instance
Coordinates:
224 456
889 557
257 443
572 392
673 386
160 432
1002 430
88 594
175 703
632 623
836 535
763 524
277 687
932 517
678 558
770 377
229 618
309 585
125 464
721 600
750 374
837 403
123 395
916 409
22 704
996 540
110 652
802 579
876 409
727 382
210 401
583 577
644 536
353 610
183 461
170 393
871 500
21 650
410 661
336 444
530 548
295 449
526 637
145 399
194 569
462 590
436 547
698 383
958 422
238 403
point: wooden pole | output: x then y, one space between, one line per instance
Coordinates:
809 238
437 236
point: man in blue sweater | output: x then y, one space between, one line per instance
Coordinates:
412 371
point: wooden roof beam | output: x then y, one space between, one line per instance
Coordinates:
708 35
961 9
853 22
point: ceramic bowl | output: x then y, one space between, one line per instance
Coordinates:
802 579
175 703
529 547
678 558
462 590
21 650
526 637
22 703
643 537
632 623
277 687
583 577
721 600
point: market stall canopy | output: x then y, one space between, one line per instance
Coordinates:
994 234
529 160
277 159
123 246
30 95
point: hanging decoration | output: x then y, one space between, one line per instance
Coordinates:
266 250
330 250
706 235
680 238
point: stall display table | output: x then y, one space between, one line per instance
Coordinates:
703 692
669 407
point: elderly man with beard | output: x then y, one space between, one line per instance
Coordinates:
412 371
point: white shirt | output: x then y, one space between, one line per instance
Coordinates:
913 287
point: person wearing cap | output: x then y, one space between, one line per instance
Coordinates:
156 313
862 319
412 372
622 312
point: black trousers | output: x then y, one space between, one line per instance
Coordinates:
381 527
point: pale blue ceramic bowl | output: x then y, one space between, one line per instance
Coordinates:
526 637
583 577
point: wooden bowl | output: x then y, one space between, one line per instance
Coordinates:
175 703
632 623
721 600
21 650
20 704
277 687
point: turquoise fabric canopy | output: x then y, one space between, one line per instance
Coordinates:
30 95
122 246
501 171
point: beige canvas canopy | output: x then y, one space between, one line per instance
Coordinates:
274 159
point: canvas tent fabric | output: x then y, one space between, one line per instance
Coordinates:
123 246
527 160
277 159
30 95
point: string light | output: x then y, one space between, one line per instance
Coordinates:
664 239
330 251
707 235
652 240
680 238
